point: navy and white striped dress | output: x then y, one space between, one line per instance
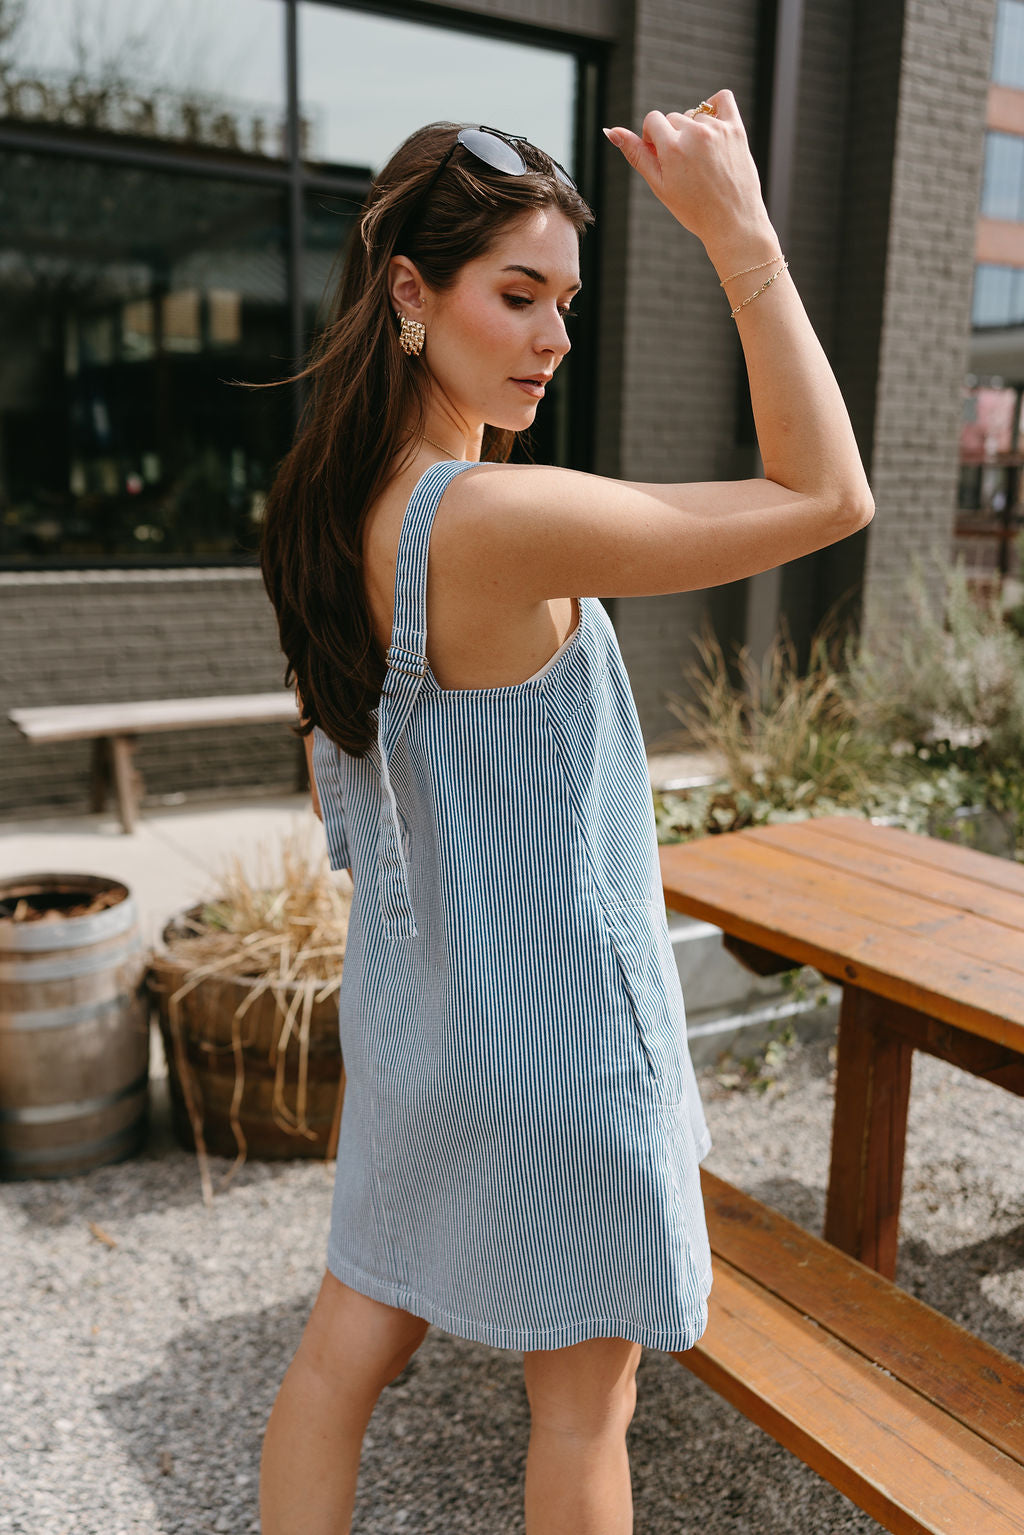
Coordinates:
519 1147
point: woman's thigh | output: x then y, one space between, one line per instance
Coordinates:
363 1340
586 1387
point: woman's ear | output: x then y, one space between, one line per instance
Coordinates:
406 287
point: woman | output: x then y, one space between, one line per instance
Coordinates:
519 1148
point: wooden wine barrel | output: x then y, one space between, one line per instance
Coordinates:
216 1069
74 1029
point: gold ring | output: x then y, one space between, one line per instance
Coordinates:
706 106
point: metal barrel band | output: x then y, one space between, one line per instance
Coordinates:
28 1020
107 1146
55 1113
64 967
74 932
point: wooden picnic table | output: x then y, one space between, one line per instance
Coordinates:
926 939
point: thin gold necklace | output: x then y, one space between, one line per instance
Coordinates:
437 445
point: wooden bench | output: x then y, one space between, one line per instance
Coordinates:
114 728
917 1421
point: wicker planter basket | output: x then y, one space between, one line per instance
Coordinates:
254 1064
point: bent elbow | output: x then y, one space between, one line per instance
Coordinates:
855 512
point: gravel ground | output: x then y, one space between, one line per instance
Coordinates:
144 1336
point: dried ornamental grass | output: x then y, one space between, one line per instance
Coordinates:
284 930
786 737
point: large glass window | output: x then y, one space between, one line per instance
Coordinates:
173 215
211 75
1002 192
998 296
329 222
369 81
1008 53
129 301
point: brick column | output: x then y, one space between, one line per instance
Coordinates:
945 58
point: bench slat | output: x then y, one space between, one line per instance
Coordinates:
71 722
943 857
891 1451
897 872
965 938
987 999
934 1356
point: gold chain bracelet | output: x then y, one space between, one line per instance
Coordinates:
758 291
777 257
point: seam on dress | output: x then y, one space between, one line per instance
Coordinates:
658 1098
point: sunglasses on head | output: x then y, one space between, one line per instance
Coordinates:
498 150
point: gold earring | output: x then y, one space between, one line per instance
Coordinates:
411 336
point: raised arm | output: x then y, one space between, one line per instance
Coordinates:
555 532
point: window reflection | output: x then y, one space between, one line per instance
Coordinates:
131 297
189 71
329 222
998 296
1002 194
129 300
1008 53
368 81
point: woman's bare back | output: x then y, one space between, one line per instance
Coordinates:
479 635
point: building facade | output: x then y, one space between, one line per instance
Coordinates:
991 515
176 185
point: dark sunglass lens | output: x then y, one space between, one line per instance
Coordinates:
493 151
563 175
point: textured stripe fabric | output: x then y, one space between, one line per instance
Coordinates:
519 1146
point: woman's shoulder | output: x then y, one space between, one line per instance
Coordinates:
493 499
550 531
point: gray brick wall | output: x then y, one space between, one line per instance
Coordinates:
922 358
98 636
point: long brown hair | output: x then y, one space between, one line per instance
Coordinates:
365 394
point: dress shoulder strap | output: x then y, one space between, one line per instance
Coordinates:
406 667
409 627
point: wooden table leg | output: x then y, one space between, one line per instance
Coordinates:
869 1132
126 780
